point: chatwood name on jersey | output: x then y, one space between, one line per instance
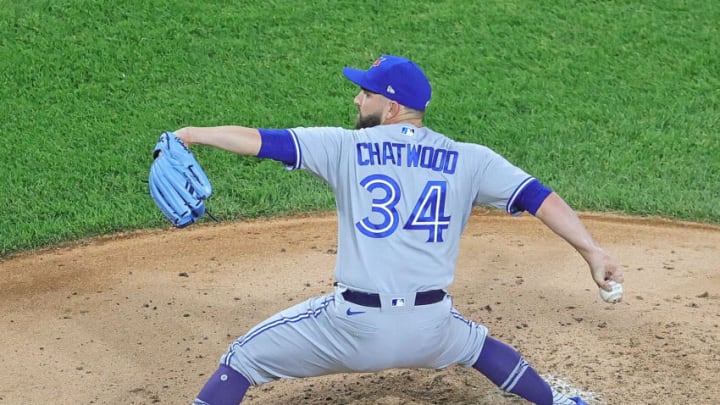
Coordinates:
407 154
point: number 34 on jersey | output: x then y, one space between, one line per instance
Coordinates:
427 215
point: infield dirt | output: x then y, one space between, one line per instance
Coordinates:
142 318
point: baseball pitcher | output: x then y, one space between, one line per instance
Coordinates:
404 194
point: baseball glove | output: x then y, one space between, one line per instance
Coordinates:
178 184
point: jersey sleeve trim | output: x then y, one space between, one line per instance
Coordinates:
279 144
528 196
298 152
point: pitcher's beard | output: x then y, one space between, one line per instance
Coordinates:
367 121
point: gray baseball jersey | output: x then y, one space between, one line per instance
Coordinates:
404 196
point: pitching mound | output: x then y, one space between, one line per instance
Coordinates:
143 318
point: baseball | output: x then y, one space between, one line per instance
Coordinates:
613 296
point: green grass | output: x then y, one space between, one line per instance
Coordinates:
614 104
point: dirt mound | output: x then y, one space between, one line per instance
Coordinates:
143 318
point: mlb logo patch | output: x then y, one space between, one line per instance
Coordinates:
408 131
398 302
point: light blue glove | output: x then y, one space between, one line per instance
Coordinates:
178 184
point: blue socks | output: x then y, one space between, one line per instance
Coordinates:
225 387
504 366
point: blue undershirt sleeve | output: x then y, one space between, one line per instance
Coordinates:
530 198
278 144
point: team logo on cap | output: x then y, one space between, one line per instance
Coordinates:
377 62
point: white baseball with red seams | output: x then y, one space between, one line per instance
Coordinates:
613 296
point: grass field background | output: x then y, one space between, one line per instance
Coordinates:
614 104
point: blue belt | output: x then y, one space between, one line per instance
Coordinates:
373 300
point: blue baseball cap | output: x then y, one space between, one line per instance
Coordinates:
396 78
